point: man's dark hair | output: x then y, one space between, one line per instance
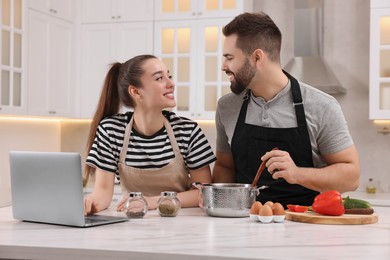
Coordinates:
256 31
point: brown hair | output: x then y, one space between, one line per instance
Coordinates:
256 31
115 93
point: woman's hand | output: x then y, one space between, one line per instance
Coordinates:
122 204
88 205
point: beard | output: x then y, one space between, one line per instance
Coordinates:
242 78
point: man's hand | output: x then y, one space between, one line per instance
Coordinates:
281 165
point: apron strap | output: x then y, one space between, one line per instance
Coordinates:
297 100
171 136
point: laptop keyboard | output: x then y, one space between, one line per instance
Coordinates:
99 218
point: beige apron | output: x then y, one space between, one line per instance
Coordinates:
172 177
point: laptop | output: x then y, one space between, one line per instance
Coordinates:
47 187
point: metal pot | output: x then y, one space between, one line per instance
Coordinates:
232 200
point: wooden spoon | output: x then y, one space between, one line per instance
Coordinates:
260 171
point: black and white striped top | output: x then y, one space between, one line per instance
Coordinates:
149 152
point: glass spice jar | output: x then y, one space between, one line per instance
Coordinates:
371 187
136 205
168 205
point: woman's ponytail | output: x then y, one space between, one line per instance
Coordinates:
108 105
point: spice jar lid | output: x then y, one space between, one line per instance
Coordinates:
168 193
134 194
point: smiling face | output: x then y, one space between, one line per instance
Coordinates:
157 91
237 65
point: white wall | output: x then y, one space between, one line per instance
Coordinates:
27 135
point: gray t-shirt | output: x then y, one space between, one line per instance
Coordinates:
327 127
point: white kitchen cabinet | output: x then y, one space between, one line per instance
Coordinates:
107 11
102 45
380 60
192 50
63 9
50 66
193 9
12 57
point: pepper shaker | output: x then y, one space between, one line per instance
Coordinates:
168 205
136 205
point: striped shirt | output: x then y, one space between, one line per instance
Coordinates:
149 152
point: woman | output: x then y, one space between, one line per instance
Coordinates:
148 150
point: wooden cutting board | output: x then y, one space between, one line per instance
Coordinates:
345 219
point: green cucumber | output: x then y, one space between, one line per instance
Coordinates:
355 203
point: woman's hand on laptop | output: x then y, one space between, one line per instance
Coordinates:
88 205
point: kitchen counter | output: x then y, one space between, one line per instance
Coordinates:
194 235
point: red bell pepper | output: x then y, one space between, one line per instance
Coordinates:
329 203
297 208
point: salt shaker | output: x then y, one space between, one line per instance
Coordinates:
136 205
168 205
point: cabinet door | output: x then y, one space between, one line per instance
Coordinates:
380 64
107 11
175 9
223 8
95 11
212 81
63 9
175 44
103 44
134 10
12 61
192 9
192 50
50 66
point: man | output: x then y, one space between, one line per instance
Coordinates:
270 109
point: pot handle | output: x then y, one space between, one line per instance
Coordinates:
197 185
257 190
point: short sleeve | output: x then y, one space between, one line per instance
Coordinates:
102 154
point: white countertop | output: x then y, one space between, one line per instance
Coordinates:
194 235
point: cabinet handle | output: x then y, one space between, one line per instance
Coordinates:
112 17
51 112
200 13
118 17
193 13
0 108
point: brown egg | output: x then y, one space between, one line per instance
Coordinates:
255 208
269 203
265 210
277 209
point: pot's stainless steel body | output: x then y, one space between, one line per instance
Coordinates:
232 200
